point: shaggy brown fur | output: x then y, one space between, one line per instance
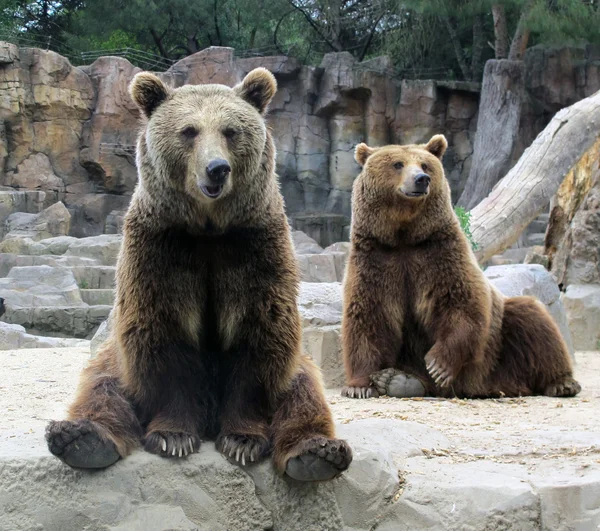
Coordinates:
415 298
206 339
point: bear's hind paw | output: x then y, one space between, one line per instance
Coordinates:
171 444
397 384
568 387
243 448
319 459
79 444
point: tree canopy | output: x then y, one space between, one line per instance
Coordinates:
430 38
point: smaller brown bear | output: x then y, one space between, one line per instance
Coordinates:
416 301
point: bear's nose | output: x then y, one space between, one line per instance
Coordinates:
422 181
218 170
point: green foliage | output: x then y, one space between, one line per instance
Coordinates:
83 284
464 219
423 38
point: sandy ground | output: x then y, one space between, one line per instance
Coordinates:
37 385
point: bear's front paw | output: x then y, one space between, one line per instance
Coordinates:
243 448
319 459
171 443
440 370
360 392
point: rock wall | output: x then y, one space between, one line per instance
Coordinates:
70 131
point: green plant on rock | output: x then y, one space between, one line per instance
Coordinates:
83 284
464 218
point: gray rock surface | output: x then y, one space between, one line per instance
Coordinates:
304 244
582 303
35 286
13 336
534 280
320 304
53 221
104 248
397 481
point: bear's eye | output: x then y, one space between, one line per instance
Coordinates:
424 167
189 132
230 133
398 165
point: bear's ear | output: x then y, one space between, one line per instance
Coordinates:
437 146
362 153
257 88
148 92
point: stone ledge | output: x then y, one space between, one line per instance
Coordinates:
527 464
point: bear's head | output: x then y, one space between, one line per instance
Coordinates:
399 182
202 141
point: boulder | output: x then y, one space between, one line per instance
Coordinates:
582 303
36 173
31 202
14 336
304 244
534 280
319 267
405 476
39 286
100 336
104 248
204 491
320 304
323 345
51 222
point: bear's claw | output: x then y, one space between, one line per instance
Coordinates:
79 444
171 444
360 392
441 373
319 459
243 448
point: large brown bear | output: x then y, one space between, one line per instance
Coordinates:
206 336
416 301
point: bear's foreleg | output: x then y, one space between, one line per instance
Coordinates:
244 416
371 334
459 339
177 401
303 434
102 425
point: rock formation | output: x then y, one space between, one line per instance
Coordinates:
68 133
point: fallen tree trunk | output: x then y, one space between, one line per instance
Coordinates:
497 128
518 198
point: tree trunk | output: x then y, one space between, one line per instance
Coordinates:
500 31
521 37
458 51
158 42
497 128
478 45
499 219
571 194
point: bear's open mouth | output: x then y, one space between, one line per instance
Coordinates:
212 191
414 194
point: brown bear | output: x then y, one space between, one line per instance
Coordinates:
206 341
417 304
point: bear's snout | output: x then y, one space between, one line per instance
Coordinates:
417 186
217 171
422 181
